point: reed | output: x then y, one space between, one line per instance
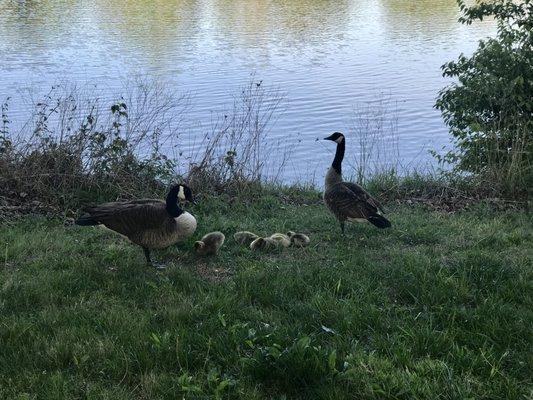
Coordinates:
77 148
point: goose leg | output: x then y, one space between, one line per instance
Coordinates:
342 227
147 255
149 260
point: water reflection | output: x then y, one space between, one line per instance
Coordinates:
327 56
149 29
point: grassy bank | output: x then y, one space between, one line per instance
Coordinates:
439 306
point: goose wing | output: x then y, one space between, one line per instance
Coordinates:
364 195
129 217
351 201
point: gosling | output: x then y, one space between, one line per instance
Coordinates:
263 244
273 241
210 243
244 237
280 238
298 239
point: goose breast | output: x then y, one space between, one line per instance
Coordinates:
186 225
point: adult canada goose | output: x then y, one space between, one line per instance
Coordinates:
150 223
244 237
349 201
210 243
298 239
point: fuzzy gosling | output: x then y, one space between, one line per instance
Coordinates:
273 241
210 243
298 239
263 243
245 237
280 238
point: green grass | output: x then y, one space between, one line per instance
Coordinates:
439 306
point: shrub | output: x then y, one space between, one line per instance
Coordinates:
75 150
237 148
489 109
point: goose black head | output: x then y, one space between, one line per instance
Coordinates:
335 137
178 193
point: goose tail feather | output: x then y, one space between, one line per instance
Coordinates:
86 220
380 221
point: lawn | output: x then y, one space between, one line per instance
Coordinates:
438 306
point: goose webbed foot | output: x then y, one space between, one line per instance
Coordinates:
159 266
149 262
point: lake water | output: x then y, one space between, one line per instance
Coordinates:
327 57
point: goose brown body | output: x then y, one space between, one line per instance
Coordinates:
149 223
145 222
348 201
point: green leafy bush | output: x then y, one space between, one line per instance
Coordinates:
489 109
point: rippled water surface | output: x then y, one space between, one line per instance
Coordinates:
328 57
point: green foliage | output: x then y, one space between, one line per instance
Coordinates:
489 109
437 307
75 150
87 156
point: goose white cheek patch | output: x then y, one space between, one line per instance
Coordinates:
181 193
339 139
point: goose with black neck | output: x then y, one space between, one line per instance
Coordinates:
348 201
149 223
